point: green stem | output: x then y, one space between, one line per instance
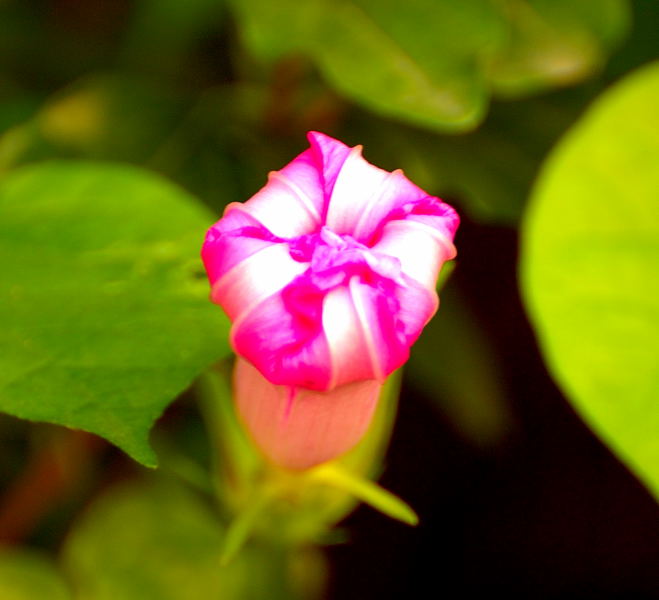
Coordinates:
242 526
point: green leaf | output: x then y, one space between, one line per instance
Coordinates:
555 42
434 63
104 311
161 542
26 575
419 63
589 268
99 117
275 29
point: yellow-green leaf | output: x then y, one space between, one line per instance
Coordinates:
590 268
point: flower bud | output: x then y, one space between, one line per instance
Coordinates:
328 275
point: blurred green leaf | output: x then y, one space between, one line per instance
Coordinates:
98 117
118 116
418 61
106 116
555 42
273 29
104 315
161 542
433 62
26 575
589 268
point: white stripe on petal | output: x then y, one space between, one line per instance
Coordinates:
283 209
252 280
349 352
376 203
304 199
421 249
369 328
357 182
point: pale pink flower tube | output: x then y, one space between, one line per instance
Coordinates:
297 427
328 274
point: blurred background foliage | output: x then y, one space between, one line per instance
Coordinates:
98 98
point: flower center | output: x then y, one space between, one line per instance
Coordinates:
334 259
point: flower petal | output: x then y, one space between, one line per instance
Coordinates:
293 201
330 155
392 319
377 315
357 183
232 239
352 351
297 428
283 207
420 248
416 306
365 195
254 279
395 191
283 337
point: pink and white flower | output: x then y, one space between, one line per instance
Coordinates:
328 275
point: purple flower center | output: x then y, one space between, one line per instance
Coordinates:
334 259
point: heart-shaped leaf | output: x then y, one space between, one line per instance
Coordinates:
590 268
104 311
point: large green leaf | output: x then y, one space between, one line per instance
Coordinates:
104 315
435 63
590 268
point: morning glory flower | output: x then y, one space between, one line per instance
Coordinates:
328 273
